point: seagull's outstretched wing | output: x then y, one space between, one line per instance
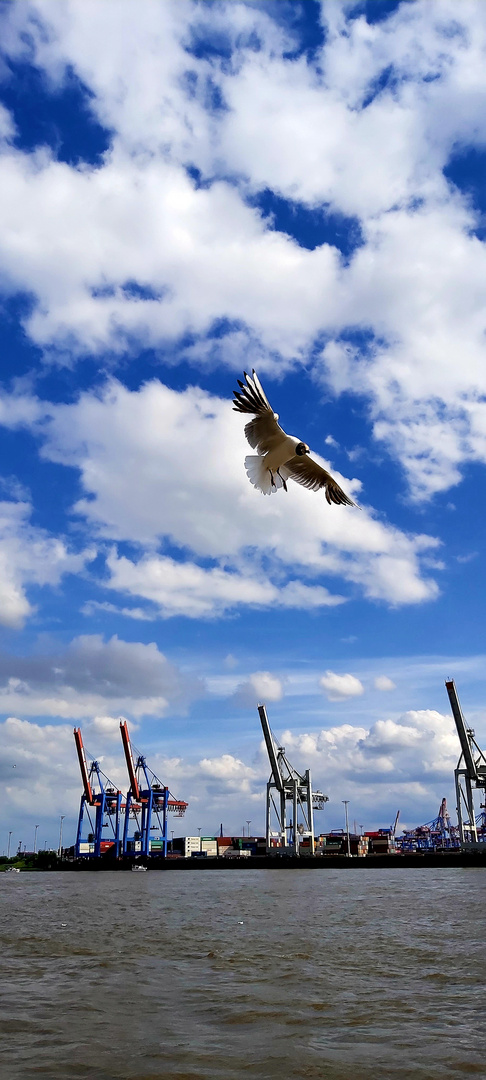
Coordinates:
264 432
307 472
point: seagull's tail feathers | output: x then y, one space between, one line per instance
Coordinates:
252 398
259 475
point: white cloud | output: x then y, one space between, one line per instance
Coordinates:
184 588
419 744
7 126
366 131
260 687
45 780
91 607
95 678
107 726
157 463
29 556
182 248
382 682
339 687
406 762
229 772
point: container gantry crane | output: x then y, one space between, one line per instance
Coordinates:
100 795
285 786
470 772
435 835
147 798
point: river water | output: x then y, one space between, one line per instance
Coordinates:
344 974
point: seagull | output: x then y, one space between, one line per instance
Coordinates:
279 456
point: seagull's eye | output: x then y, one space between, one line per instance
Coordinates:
301 449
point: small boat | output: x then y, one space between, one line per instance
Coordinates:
139 869
15 870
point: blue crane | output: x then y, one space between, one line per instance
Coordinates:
147 798
100 795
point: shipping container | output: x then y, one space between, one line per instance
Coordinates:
209 846
185 845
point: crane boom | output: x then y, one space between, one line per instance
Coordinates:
270 745
134 785
462 730
88 791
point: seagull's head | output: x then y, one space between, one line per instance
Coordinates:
302 449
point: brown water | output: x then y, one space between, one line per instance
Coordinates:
350 974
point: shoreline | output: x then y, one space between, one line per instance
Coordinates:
270 862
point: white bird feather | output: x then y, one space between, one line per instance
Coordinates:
279 456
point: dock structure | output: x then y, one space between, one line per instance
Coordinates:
103 798
148 800
286 785
470 773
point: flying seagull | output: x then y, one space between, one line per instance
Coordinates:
279 456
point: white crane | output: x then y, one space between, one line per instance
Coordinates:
286 785
470 772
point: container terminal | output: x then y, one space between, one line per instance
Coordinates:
121 830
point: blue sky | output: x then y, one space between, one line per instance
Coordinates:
188 190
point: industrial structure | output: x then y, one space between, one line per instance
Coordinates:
104 799
122 825
147 799
436 835
285 786
103 806
469 774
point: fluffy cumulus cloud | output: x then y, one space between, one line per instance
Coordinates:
339 687
228 772
261 686
30 556
138 248
409 759
41 780
406 762
157 465
164 242
383 682
39 774
95 678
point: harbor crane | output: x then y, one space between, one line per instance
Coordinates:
470 772
435 835
285 786
100 795
147 797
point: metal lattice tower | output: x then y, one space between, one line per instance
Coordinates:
470 772
285 786
147 798
100 795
